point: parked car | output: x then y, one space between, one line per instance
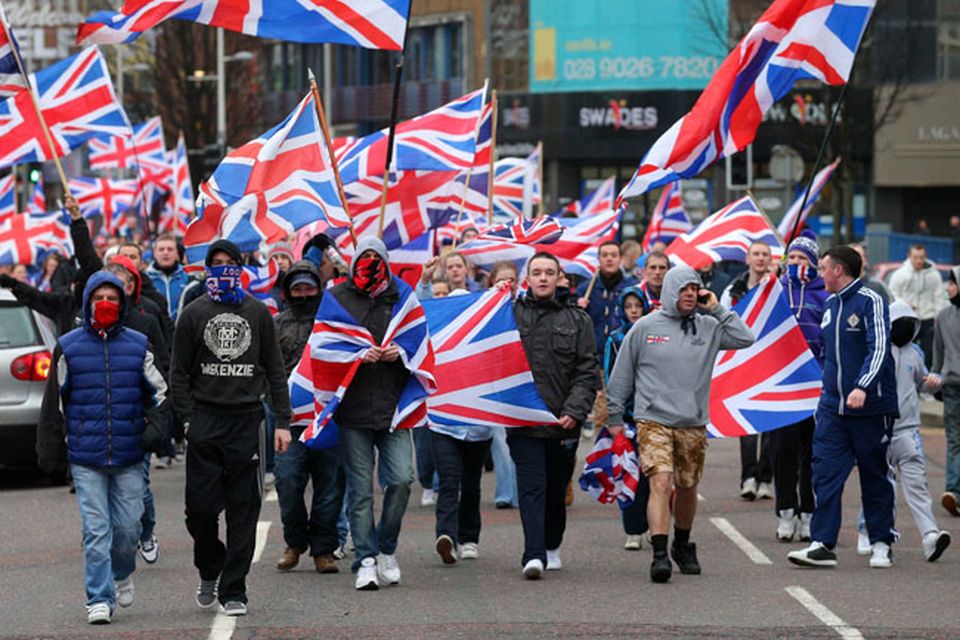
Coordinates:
884 271
26 349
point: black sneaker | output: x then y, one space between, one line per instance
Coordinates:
660 568
207 593
816 555
685 555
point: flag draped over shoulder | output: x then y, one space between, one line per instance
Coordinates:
483 375
611 471
771 384
334 353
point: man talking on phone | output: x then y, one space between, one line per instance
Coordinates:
665 366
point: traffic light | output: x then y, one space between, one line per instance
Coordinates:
34 172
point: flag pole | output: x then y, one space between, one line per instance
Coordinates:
540 176
35 102
493 155
398 76
318 103
766 218
466 182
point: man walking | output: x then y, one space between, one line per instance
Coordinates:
918 282
225 360
856 413
665 366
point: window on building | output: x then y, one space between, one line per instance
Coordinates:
948 42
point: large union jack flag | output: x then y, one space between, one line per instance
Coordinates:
789 222
25 237
11 82
793 40
611 471
483 376
516 187
515 242
179 208
726 235
373 24
110 199
669 219
771 384
334 353
598 201
578 249
144 149
78 103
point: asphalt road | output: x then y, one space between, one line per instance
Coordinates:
747 590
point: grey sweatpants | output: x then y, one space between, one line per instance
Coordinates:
907 459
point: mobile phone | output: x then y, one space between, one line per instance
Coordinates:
703 299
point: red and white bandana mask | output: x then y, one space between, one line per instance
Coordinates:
370 274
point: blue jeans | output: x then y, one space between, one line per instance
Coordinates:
460 465
396 472
298 465
427 474
951 420
111 503
148 522
503 468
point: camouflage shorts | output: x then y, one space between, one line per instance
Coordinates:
680 451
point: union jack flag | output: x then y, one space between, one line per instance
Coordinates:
598 201
24 237
8 194
11 82
515 242
578 249
669 218
144 149
110 199
373 24
611 471
775 382
269 188
483 376
726 235
78 103
407 261
179 210
793 40
789 222
259 281
516 188
38 202
334 353
444 139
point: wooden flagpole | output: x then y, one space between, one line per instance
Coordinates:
318 103
493 155
540 176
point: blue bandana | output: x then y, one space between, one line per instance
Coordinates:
224 284
798 273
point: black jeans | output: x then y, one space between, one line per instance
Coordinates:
460 466
634 517
925 340
792 448
544 467
223 473
750 466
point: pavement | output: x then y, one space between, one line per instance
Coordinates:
747 590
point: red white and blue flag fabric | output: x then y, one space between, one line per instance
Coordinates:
611 471
789 222
516 188
793 40
669 219
406 262
8 194
483 376
373 24
578 248
268 188
726 235
25 237
110 199
771 384
334 353
515 242
78 103
144 149
11 82
179 211
259 281
598 201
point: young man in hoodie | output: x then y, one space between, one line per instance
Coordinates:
226 360
946 364
918 282
101 387
855 415
167 274
665 367
314 530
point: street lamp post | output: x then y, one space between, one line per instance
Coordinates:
220 77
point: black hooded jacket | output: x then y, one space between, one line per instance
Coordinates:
296 322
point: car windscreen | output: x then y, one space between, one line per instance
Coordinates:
17 328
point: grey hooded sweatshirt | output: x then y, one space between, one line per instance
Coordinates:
911 370
666 361
946 341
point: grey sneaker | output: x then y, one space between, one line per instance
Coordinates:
234 608
125 592
207 593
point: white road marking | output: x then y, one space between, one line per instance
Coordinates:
825 616
737 538
271 495
223 625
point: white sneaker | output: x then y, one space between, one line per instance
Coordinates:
864 548
934 544
428 498
367 576
150 550
387 568
269 480
469 551
786 526
633 543
99 613
553 560
533 570
816 555
764 491
587 431
805 520
882 557
748 490
125 592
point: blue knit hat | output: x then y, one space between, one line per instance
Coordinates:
806 243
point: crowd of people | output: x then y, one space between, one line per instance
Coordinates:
154 366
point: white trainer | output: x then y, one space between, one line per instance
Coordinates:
553 560
125 592
864 548
428 498
149 549
764 491
387 568
805 520
469 551
882 557
633 543
748 490
533 570
99 613
367 576
787 525
934 544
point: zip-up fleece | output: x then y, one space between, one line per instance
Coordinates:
856 341
666 361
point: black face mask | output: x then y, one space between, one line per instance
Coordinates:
902 331
305 305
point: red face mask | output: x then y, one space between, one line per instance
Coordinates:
370 275
105 314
